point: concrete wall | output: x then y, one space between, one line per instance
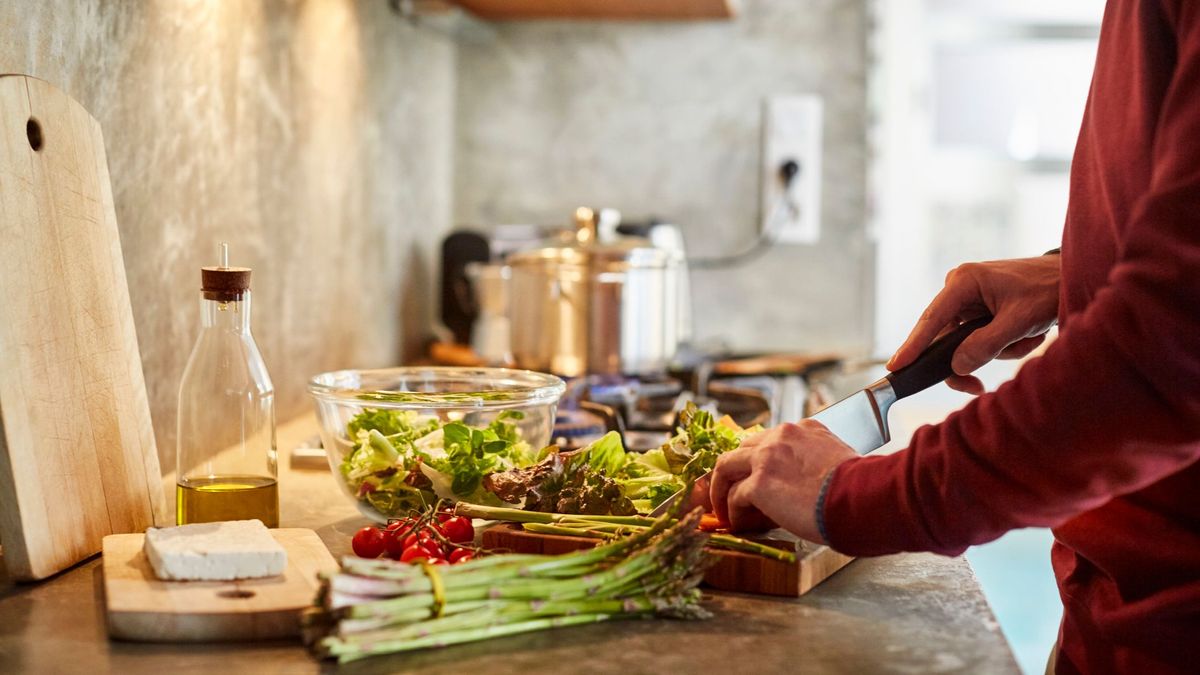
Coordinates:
321 139
664 120
313 136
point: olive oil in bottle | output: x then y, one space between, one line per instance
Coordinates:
206 500
225 446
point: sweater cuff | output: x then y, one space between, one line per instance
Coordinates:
868 509
821 504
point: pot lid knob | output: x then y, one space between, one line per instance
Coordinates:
585 226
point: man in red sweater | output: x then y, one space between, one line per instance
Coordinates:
1098 438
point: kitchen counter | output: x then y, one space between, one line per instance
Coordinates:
906 613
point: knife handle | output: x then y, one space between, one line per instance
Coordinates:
933 365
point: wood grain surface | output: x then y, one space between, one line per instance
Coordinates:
733 571
142 608
77 454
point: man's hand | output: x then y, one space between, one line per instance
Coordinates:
775 478
1021 295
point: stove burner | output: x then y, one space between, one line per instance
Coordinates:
576 428
645 412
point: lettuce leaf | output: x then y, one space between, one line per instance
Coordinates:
471 454
399 425
372 455
700 440
403 460
373 473
561 483
606 454
442 485
396 497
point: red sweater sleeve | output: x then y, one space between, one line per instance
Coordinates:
1112 406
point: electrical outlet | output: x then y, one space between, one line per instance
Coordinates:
792 131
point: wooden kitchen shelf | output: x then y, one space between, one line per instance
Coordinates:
626 10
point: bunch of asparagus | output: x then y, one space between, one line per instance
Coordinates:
381 606
607 527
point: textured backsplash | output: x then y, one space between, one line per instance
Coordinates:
315 137
333 145
664 120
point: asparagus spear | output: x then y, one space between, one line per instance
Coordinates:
606 527
381 606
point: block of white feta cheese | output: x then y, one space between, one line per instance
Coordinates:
236 549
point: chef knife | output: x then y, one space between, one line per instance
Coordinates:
861 419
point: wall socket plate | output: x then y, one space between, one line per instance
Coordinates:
792 129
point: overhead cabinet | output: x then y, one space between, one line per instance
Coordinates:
637 10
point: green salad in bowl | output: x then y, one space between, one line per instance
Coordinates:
403 461
399 439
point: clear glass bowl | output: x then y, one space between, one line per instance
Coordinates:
473 396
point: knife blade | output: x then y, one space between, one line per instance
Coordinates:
861 419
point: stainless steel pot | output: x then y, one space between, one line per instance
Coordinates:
591 308
490 332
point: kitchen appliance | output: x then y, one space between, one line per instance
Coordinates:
463 249
604 297
143 608
459 308
586 306
644 410
491 330
77 454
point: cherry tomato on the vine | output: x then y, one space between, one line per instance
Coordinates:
394 543
413 537
414 554
434 548
459 530
368 543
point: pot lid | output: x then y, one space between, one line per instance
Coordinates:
625 252
584 249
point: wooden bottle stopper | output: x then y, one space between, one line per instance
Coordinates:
224 284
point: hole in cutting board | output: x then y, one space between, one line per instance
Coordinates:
33 131
236 594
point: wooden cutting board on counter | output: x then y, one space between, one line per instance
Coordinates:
733 571
77 454
143 608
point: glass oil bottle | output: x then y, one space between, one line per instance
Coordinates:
225 448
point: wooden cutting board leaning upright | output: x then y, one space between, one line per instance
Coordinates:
77 455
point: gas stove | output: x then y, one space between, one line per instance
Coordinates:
645 410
